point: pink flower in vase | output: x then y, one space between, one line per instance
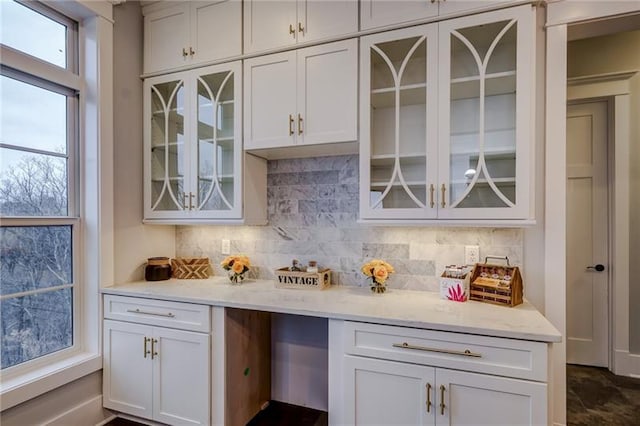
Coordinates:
456 294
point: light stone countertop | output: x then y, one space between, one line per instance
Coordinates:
406 308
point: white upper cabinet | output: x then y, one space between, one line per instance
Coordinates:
193 144
485 125
276 24
446 113
398 131
302 97
380 13
191 33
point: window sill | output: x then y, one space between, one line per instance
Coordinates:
26 386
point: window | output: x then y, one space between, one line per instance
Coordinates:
39 196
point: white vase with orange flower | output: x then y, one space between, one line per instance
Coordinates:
378 270
237 267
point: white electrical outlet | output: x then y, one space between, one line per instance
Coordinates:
471 255
226 247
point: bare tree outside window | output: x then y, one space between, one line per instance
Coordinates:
39 200
35 260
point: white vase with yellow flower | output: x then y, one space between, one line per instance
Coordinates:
237 267
378 270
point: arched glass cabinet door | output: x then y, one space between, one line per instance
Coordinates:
398 122
485 84
167 151
215 141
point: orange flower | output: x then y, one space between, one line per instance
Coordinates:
380 273
237 267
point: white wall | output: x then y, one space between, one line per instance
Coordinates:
134 242
76 403
607 54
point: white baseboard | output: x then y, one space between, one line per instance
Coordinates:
89 412
626 364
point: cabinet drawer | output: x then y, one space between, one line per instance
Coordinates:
491 355
185 316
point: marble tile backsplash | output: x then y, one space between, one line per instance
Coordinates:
313 212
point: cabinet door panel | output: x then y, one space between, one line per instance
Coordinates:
216 29
485 106
267 24
456 6
323 19
217 163
181 372
378 13
399 119
127 371
166 34
270 101
476 399
387 393
327 93
166 151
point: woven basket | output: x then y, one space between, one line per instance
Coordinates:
186 268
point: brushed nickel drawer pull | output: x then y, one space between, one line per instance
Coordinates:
138 311
466 352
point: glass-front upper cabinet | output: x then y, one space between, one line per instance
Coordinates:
398 117
446 113
486 92
193 145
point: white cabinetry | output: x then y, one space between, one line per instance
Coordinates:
391 393
390 375
302 97
446 114
380 13
193 157
269 24
191 33
157 372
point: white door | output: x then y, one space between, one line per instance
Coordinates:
323 19
127 368
378 13
478 399
328 93
216 30
270 101
381 392
166 38
456 6
587 234
181 372
269 24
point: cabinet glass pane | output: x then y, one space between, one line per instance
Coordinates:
398 164
167 146
215 141
482 166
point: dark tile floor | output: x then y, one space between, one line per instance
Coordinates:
597 397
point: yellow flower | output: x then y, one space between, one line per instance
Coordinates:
377 268
230 261
238 267
380 273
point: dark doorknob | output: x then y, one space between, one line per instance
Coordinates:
599 267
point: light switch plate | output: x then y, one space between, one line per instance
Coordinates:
225 247
471 255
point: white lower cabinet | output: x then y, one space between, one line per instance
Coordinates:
411 382
380 392
157 373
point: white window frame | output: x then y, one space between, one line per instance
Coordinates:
93 235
